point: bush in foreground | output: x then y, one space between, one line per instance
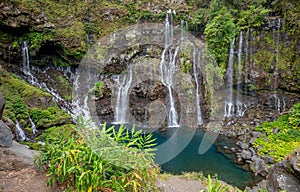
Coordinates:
93 159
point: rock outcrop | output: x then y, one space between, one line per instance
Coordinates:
285 175
5 132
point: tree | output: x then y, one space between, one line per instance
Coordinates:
219 32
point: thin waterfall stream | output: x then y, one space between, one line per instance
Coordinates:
20 134
123 83
241 107
229 105
196 61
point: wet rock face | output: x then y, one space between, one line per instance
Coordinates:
285 175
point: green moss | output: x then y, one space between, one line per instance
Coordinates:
49 117
18 94
6 37
64 86
23 100
98 88
285 141
63 131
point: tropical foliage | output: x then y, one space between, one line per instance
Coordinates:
281 137
93 159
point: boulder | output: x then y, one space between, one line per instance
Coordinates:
285 175
259 166
281 178
5 135
246 154
2 104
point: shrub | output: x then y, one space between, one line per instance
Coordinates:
95 159
216 186
286 140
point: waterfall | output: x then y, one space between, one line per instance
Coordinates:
241 107
251 59
184 27
19 132
33 80
168 29
280 106
26 65
278 103
167 70
277 55
80 100
33 126
123 83
196 63
229 107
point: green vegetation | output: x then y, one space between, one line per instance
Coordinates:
95 159
98 88
287 139
49 117
23 100
64 86
216 186
19 95
219 32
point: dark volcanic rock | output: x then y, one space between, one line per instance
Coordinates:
285 175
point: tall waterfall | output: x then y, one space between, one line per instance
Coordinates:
123 83
241 107
280 105
229 106
277 54
19 132
196 63
167 70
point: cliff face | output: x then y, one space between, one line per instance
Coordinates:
59 34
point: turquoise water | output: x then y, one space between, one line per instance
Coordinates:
189 159
178 151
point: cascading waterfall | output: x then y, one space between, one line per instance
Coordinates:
33 126
26 65
241 107
196 63
251 59
167 70
80 100
33 80
280 105
277 54
19 132
184 27
246 63
123 83
229 106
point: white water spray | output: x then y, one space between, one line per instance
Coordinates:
241 107
196 63
229 106
20 134
33 126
